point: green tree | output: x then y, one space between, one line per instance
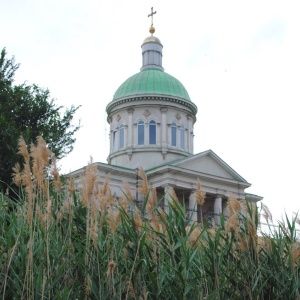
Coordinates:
29 111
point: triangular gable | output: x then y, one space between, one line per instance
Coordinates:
209 163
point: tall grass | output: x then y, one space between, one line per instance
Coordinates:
59 243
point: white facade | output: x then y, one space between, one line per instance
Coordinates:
167 133
155 131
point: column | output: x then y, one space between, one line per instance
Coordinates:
130 127
178 136
193 214
189 136
218 209
110 135
111 141
164 127
167 199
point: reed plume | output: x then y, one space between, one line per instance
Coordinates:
171 195
56 182
40 155
88 182
126 197
194 234
152 200
110 268
295 254
25 177
233 204
137 219
143 185
266 214
17 176
199 194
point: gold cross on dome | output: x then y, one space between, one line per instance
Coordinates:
151 15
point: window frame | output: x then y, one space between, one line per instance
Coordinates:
141 132
121 136
182 137
114 141
173 134
152 132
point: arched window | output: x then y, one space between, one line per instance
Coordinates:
152 132
141 133
182 137
121 145
173 134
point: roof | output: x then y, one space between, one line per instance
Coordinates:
206 162
152 82
152 39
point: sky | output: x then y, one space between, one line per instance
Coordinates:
239 61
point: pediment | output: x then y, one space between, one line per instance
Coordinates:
209 163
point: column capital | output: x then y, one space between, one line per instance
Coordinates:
166 186
130 110
163 109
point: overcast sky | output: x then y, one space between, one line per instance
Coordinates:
239 61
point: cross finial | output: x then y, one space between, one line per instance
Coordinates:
151 15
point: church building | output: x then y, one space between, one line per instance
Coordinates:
151 118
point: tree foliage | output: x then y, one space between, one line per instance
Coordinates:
29 111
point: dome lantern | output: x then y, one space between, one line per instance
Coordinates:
152 49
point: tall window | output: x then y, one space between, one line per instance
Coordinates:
173 134
152 132
121 145
182 137
141 133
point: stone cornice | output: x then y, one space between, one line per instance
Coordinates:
148 148
178 171
148 98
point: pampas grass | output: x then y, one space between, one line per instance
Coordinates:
60 241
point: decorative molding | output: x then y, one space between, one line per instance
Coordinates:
118 118
178 116
178 100
129 153
147 113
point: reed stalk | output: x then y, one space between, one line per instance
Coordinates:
59 243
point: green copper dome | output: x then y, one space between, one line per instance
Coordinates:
152 82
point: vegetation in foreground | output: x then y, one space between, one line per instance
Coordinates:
57 243
29 111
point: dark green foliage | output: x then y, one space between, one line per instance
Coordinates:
29 111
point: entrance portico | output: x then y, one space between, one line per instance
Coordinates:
218 181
